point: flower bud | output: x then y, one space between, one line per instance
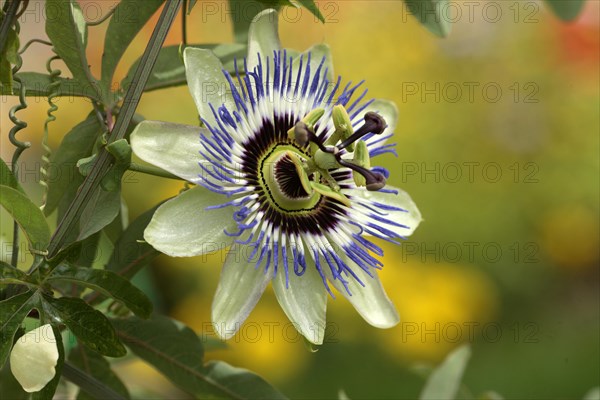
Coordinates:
33 358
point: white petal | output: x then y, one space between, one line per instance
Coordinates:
410 218
172 147
33 358
182 227
207 84
263 37
371 301
240 287
317 52
304 301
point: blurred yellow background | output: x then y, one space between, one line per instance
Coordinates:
498 143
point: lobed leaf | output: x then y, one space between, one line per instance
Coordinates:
106 282
12 313
9 387
177 352
90 326
97 366
10 274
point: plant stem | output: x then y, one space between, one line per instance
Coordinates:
184 23
102 19
130 102
89 384
8 21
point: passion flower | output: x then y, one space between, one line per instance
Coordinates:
283 173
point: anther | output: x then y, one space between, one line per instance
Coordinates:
304 134
301 133
374 123
374 180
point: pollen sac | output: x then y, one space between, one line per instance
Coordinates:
343 126
361 157
300 134
313 117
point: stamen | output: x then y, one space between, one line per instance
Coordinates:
375 180
304 134
374 123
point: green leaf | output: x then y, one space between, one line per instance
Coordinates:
129 18
97 366
9 56
121 151
7 178
126 114
131 252
101 210
566 10
191 4
431 14
169 70
445 380
29 217
47 393
90 326
12 313
313 8
164 343
66 28
9 387
76 144
592 394
38 84
240 383
106 282
10 274
242 13
177 352
6 77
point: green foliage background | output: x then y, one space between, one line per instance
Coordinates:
515 171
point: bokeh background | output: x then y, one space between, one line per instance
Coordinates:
498 144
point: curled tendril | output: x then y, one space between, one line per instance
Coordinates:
52 93
32 41
20 145
18 124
